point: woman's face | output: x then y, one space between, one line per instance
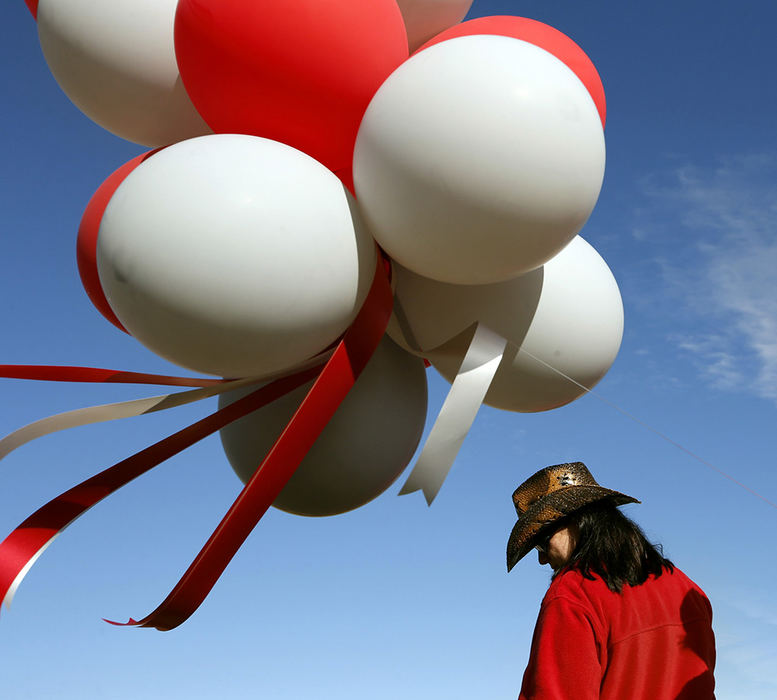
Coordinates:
560 547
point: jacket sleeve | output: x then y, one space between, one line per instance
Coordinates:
567 654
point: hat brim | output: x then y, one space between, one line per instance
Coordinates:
551 508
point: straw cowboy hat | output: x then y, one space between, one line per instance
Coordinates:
551 494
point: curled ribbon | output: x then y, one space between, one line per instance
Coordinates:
20 550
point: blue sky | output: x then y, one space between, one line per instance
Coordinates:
397 598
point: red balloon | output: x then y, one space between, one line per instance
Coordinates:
539 34
86 244
299 72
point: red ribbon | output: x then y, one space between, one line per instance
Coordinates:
24 543
60 373
335 380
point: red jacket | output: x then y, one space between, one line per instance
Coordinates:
650 642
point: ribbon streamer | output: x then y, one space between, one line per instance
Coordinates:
124 409
20 550
62 373
457 413
111 411
338 376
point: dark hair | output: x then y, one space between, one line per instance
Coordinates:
613 547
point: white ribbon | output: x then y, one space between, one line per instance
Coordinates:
457 413
135 407
112 411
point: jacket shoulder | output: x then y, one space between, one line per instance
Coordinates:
575 587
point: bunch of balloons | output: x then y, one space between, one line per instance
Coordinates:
290 139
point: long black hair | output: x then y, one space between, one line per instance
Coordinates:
613 547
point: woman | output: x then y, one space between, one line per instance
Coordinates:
619 621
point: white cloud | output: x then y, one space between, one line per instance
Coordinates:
729 274
720 366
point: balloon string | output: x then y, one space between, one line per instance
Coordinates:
649 427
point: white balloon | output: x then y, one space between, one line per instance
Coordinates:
568 314
234 255
478 159
116 61
427 18
362 450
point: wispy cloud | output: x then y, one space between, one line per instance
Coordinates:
721 366
728 274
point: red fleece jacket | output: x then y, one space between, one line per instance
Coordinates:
650 642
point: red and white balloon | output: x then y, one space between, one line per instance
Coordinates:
234 255
242 253
426 18
363 449
116 61
300 73
564 320
478 160
542 35
88 231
